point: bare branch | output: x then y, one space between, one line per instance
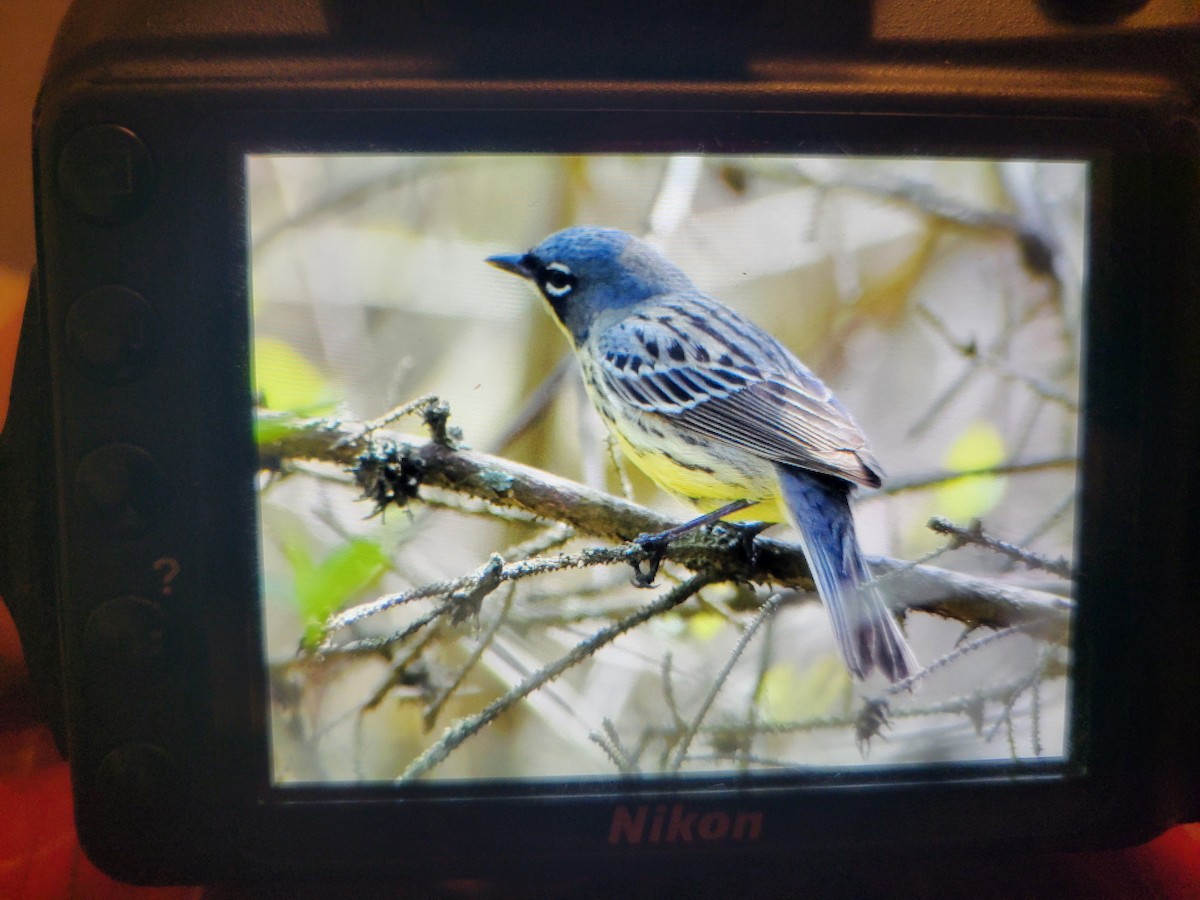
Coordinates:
469 725
470 588
685 741
1016 467
430 713
976 535
976 602
537 404
956 653
610 743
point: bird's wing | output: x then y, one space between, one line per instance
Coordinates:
707 370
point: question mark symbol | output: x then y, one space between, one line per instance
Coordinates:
168 567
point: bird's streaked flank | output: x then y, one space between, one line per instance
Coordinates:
714 410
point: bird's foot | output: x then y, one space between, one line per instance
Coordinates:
646 565
744 535
654 546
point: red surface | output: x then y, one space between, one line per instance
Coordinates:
12 302
40 857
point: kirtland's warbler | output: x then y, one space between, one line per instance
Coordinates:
714 409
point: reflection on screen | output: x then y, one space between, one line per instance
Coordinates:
940 300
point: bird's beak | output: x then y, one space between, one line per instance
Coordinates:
516 263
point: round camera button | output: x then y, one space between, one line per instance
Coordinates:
106 174
136 780
127 631
121 487
110 334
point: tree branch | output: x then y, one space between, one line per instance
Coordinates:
413 462
1014 467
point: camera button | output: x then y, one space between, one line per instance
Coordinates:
139 781
128 631
122 487
105 173
110 334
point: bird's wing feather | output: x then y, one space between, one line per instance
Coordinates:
707 370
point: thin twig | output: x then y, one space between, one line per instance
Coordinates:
1039 386
433 707
343 197
537 404
399 667
668 685
610 743
1010 701
369 645
920 196
491 573
550 539
939 404
470 725
906 684
617 458
937 479
1050 519
967 705
366 429
768 609
976 535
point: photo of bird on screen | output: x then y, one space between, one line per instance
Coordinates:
715 410
759 463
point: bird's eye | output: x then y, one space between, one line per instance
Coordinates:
557 280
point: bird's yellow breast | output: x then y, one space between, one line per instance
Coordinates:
707 489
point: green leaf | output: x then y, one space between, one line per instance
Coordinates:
328 586
267 430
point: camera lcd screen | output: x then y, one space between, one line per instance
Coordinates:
941 300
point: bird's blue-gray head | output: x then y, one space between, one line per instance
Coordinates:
586 271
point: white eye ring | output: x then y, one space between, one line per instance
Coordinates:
564 286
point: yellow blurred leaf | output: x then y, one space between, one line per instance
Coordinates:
980 446
787 695
704 626
285 380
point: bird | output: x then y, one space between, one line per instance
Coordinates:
715 410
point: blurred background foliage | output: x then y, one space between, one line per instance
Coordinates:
941 299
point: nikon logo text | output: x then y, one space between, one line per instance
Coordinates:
677 824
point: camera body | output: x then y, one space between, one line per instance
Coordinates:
131 550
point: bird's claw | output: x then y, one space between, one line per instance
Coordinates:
745 534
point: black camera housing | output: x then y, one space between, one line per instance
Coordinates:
128 459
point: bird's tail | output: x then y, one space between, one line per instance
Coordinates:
868 638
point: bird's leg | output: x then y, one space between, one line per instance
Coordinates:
655 545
